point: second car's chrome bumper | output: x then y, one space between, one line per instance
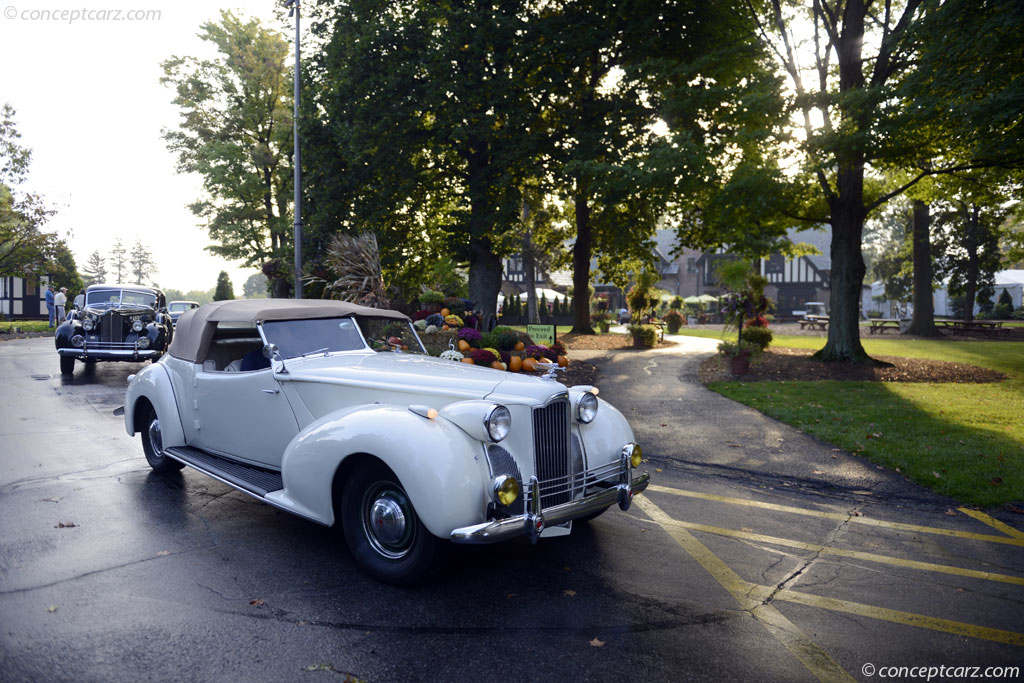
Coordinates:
535 519
110 354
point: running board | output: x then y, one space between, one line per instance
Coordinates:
255 480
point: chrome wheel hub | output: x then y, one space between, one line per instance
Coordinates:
388 520
155 439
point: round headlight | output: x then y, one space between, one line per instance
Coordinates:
586 407
78 341
88 324
143 342
506 489
137 326
498 423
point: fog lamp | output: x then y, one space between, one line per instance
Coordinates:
78 341
137 326
143 343
506 489
636 456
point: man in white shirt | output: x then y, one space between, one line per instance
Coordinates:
59 302
80 300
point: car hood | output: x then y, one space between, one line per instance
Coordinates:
413 373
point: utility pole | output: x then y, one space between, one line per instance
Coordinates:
294 5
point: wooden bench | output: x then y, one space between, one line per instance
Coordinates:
815 322
880 325
989 328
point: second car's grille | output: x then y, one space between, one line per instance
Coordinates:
551 452
111 328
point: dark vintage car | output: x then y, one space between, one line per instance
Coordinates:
176 308
118 322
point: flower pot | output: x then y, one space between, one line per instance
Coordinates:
740 364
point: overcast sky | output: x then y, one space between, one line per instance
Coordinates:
90 106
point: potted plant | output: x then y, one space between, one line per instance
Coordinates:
431 300
738 355
673 321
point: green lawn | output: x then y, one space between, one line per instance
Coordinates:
26 326
963 440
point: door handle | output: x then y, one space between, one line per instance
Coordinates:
271 391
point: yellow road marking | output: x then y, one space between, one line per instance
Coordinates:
750 594
817 661
842 552
1017 537
994 523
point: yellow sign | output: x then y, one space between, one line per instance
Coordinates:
541 334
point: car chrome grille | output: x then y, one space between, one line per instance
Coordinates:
552 457
111 328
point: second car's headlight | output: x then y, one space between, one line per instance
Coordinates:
586 407
88 324
498 423
137 326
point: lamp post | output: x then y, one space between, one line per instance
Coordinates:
294 5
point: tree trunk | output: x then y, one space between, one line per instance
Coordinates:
971 286
484 279
581 267
923 322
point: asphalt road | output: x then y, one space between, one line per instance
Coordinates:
758 554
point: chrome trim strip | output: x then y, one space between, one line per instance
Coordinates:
117 354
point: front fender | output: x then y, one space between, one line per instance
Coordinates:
441 468
154 384
603 438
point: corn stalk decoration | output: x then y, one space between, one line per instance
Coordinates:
355 261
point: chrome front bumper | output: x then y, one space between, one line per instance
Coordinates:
110 354
536 519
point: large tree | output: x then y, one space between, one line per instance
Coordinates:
418 129
142 264
95 269
118 260
236 132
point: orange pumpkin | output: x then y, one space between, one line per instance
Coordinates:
444 327
497 365
463 345
520 346
515 363
563 361
445 312
529 364
467 360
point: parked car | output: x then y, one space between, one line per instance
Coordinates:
176 308
118 322
333 412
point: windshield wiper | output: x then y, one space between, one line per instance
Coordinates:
323 351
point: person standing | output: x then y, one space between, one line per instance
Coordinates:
60 300
80 300
49 302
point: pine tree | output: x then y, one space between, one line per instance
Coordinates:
142 263
224 289
95 269
118 261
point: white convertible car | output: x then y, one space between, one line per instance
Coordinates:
333 412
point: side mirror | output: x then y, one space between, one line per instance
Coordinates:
271 352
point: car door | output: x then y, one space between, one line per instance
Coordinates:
243 415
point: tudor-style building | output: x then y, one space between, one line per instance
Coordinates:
794 281
23 298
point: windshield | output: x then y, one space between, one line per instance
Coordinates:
176 306
109 298
297 337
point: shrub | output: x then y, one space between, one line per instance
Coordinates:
757 336
432 296
728 348
676 303
1002 311
673 321
1006 299
1018 314
643 335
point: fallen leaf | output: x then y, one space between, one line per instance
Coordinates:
568 593
747 530
657 470
50 500
51 609
819 471
936 475
951 512
319 667
162 553
664 425
65 525
997 481
257 603
856 513
597 643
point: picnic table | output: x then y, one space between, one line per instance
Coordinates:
990 328
819 322
880 325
